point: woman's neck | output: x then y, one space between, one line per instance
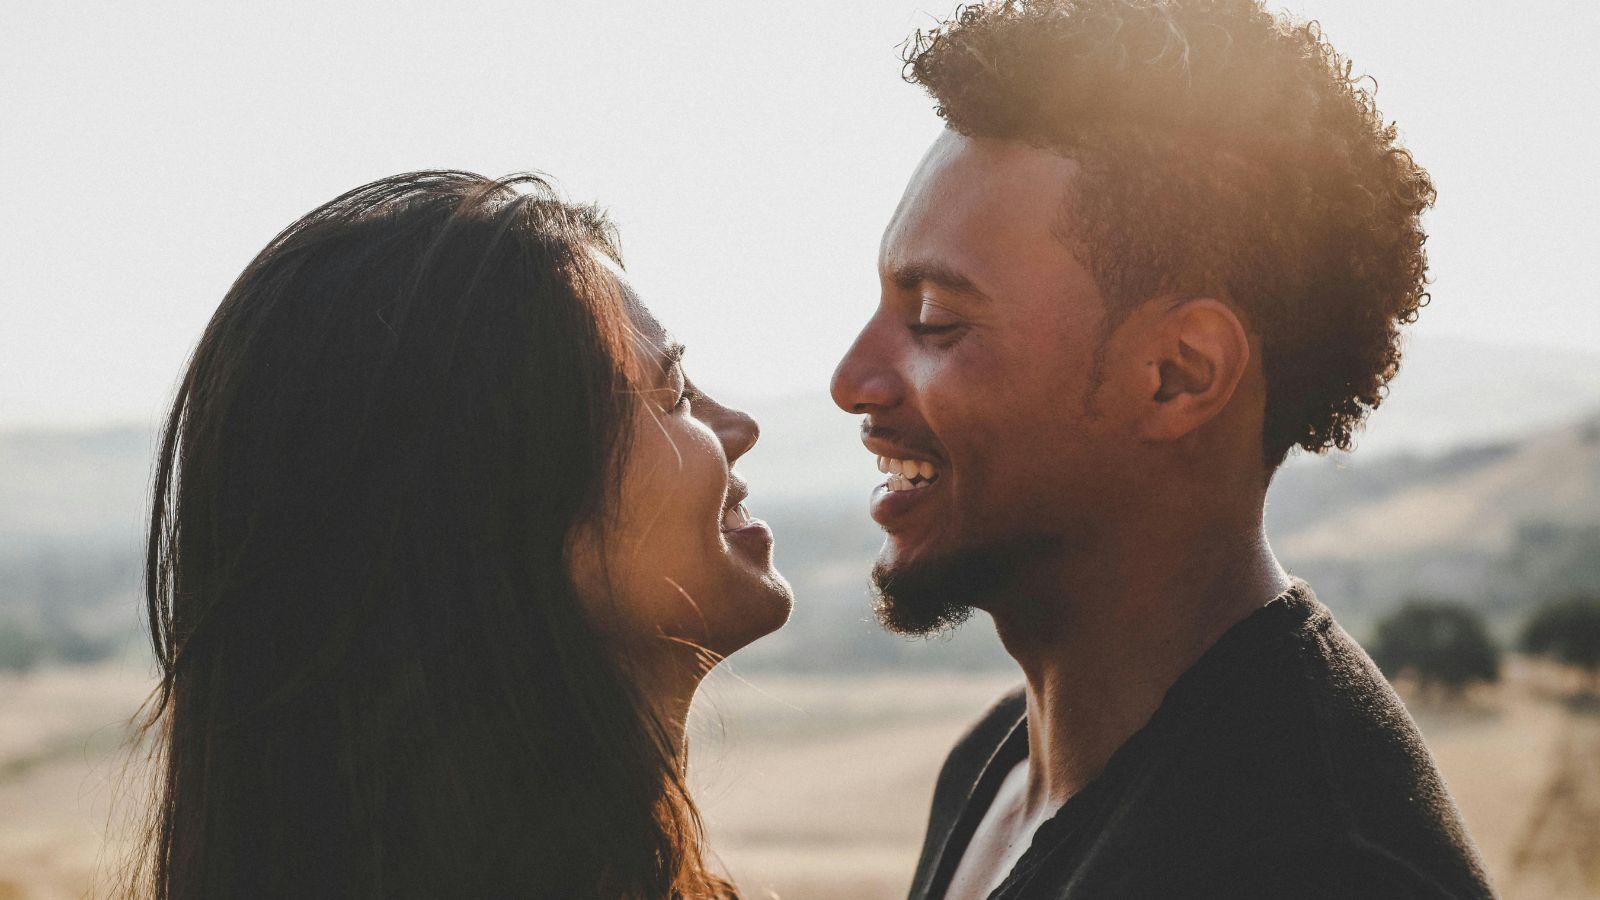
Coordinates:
667 683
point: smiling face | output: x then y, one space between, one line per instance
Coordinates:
684 565
975 375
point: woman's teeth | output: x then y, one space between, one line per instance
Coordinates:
735 518
907 474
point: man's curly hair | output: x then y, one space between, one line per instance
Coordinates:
1223 151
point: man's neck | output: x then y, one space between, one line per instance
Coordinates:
1101 641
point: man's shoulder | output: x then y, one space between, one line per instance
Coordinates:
1324 703
1299 750
989 730
972 751
1303 683
1310 862
963 766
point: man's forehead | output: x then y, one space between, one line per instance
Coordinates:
975 191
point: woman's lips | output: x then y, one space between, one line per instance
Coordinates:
735 517
745 531
753 538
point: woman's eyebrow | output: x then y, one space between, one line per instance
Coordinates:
672 355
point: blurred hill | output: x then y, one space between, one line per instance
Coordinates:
1480 480
71 511
1501 526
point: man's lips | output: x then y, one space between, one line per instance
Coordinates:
913 477
891 507
889 443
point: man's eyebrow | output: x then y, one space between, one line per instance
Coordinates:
911 276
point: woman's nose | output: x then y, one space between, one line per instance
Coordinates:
740 435
736 429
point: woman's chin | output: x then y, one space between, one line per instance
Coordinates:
758 613
781 597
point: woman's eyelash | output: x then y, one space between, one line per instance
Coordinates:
922 328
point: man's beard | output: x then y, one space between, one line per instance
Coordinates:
924 599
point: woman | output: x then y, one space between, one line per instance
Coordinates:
442 543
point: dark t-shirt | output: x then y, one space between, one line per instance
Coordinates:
1280 764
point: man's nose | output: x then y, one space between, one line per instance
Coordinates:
866 378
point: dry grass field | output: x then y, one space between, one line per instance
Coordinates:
61 772
815 787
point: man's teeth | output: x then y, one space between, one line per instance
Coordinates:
907 474
735 517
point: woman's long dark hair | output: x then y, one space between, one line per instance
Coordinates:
377 678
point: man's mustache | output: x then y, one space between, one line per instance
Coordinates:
915 443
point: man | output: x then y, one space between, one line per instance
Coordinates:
1159 245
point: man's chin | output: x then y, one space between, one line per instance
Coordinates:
933 594
921 598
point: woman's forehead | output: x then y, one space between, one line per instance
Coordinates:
652 337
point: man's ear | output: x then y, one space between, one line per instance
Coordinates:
1195 353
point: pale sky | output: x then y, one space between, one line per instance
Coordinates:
750 152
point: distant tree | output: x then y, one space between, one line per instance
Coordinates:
20 648
1568 631
1441 643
